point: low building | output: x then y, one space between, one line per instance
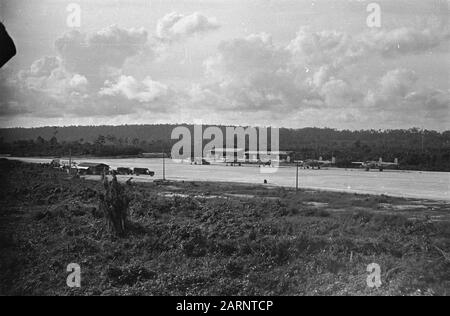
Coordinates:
63 163
226 154
240 155
92 168
280 156
153 155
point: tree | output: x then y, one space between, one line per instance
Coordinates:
111 139
40 141
53 141
101 140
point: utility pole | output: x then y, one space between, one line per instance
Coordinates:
70 161
423 136
164 165
296 178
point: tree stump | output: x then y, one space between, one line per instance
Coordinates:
114 205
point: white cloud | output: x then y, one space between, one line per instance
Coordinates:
93 55
175 26
248 78
404 40
397 100
339 93
435 100
69 84
48 76
127 86
43 67
78 81
254 75
325 47
397 82
392 89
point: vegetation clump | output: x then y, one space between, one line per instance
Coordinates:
114 205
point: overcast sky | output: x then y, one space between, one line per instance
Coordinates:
285 63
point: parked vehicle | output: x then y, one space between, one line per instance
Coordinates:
92 168
143 171
124 171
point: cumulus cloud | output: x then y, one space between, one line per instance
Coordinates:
331 48
238 57
436 102
48 76
306 77
78 81
92 55
255 75
127 86
399 100
43 67
72 83
339 93
175 26
397 82
392 88
404 40
334 49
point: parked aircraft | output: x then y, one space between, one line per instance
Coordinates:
314 163
380 164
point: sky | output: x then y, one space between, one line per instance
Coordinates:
281 63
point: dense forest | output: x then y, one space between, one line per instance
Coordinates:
416 149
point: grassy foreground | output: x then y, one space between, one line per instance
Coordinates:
216 239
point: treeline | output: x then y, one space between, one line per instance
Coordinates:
416 149
103 146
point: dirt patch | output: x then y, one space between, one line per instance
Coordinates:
317 204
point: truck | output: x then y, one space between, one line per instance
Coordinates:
143 171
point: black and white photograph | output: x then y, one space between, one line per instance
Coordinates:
224 155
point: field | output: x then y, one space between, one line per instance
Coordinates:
204 238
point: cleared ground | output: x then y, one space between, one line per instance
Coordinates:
413 184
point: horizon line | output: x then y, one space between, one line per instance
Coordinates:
226 125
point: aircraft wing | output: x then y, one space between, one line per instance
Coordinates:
389 164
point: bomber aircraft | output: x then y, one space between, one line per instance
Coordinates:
380 164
